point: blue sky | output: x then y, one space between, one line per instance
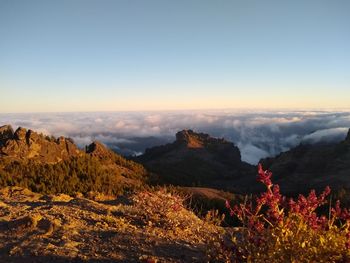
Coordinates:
85 55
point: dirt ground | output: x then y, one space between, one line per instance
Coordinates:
142 227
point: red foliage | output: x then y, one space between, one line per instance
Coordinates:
271 209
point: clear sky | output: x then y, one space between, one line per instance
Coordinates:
84 55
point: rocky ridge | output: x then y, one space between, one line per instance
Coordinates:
27 144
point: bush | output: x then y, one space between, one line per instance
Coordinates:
277 229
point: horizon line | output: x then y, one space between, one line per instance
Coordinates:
189 109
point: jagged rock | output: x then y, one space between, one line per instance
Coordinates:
98 150
27 144
192 139
198 140
20 133
6 133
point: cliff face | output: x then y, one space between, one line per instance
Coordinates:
197 159
27 144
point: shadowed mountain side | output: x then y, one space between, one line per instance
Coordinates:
312 166
196 159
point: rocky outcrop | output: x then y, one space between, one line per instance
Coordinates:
27 144
98 150
6 133
197 159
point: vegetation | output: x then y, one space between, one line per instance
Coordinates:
277 229
77 174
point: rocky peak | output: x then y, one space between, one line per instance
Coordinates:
6 133
186 135
97 149
20 134
191 139
197 140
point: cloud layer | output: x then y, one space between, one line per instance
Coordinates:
258 134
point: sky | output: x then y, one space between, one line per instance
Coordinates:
118 55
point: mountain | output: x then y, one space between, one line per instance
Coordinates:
46 164
197 159
312 166
49 165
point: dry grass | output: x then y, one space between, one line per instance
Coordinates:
149 226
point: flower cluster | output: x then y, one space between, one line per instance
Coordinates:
287 230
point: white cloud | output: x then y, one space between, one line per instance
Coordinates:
257 133
326 135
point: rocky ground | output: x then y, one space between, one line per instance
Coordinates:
142 227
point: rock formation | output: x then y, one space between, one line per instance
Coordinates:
6 133
98 150
27 144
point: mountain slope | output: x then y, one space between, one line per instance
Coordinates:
49 165
312 166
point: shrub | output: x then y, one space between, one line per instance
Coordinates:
278 229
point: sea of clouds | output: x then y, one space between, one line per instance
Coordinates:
257 133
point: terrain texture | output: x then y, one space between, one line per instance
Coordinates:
143 227
59 203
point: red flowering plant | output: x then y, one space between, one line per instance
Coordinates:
278 229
